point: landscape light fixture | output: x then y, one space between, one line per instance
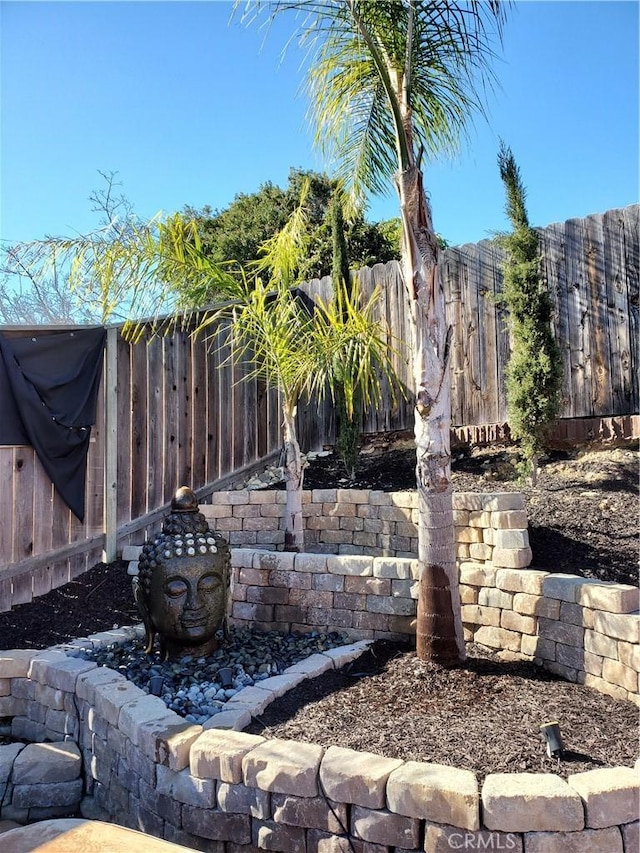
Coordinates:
553 739
225 674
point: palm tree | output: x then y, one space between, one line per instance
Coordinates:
390 80
304 351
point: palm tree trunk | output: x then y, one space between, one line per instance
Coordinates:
293 474
439 635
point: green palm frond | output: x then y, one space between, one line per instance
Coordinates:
282 253
350 348
388 78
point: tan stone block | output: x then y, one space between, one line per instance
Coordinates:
503 501
487 536
480 551
396 568
477 574
350 565
214 512
610 795
536 605
462 551
110 696
498 638
528 581
169 741
587 841
530 802
468 534
349 776
511 558
284 767
314 563
517 622
467 500
477 615
395 513
461 517
603 686
629 655
322 496
468 595
617 673
593 664
479 518
435 792
514 519
529 646
619 625
495 598
599 644
218 754
610 597
248 511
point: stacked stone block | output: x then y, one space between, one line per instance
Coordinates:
587 631
489 527
216 787
367 597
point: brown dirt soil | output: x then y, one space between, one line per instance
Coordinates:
484 715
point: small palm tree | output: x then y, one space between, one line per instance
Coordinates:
304 352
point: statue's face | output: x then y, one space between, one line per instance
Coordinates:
187 601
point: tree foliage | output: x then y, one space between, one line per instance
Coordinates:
237 233
534 371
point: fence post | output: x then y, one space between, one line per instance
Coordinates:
110 519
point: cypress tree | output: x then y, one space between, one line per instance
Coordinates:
534 371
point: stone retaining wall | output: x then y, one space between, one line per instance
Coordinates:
223 790
40 780
587 631
489 527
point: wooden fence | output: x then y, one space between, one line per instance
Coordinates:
172 412
591 267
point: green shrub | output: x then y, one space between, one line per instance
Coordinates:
534 371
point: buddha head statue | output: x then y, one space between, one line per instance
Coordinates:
183 582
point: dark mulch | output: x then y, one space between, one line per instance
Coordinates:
98 600
583 511
484 716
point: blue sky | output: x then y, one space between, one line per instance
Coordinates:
190 110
